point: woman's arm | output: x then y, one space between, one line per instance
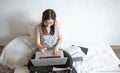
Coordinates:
37 39
59 42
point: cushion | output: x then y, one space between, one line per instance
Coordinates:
17 53
31 33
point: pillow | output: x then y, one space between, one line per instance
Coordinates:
16 53
31 33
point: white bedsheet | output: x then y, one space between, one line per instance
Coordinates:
100 57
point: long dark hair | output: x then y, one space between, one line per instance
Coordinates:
48 14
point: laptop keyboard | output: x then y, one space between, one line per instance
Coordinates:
49 57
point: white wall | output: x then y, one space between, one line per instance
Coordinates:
82 20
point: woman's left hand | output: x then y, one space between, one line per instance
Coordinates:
56 52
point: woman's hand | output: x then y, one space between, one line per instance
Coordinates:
56 52
43 50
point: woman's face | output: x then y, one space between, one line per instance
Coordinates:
49 22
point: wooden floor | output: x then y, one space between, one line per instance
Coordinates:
117 52
116 49
1 48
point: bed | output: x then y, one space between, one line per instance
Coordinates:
99 59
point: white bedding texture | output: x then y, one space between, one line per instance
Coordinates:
99 59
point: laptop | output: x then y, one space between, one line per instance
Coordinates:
48 59
48 54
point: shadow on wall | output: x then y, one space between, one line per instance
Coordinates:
18 23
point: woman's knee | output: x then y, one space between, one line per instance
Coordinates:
70 60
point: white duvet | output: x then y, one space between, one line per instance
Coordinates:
100 57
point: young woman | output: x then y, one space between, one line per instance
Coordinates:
48 35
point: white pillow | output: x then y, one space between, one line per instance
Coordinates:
31 31
16 53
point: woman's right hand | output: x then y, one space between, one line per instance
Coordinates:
43 50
